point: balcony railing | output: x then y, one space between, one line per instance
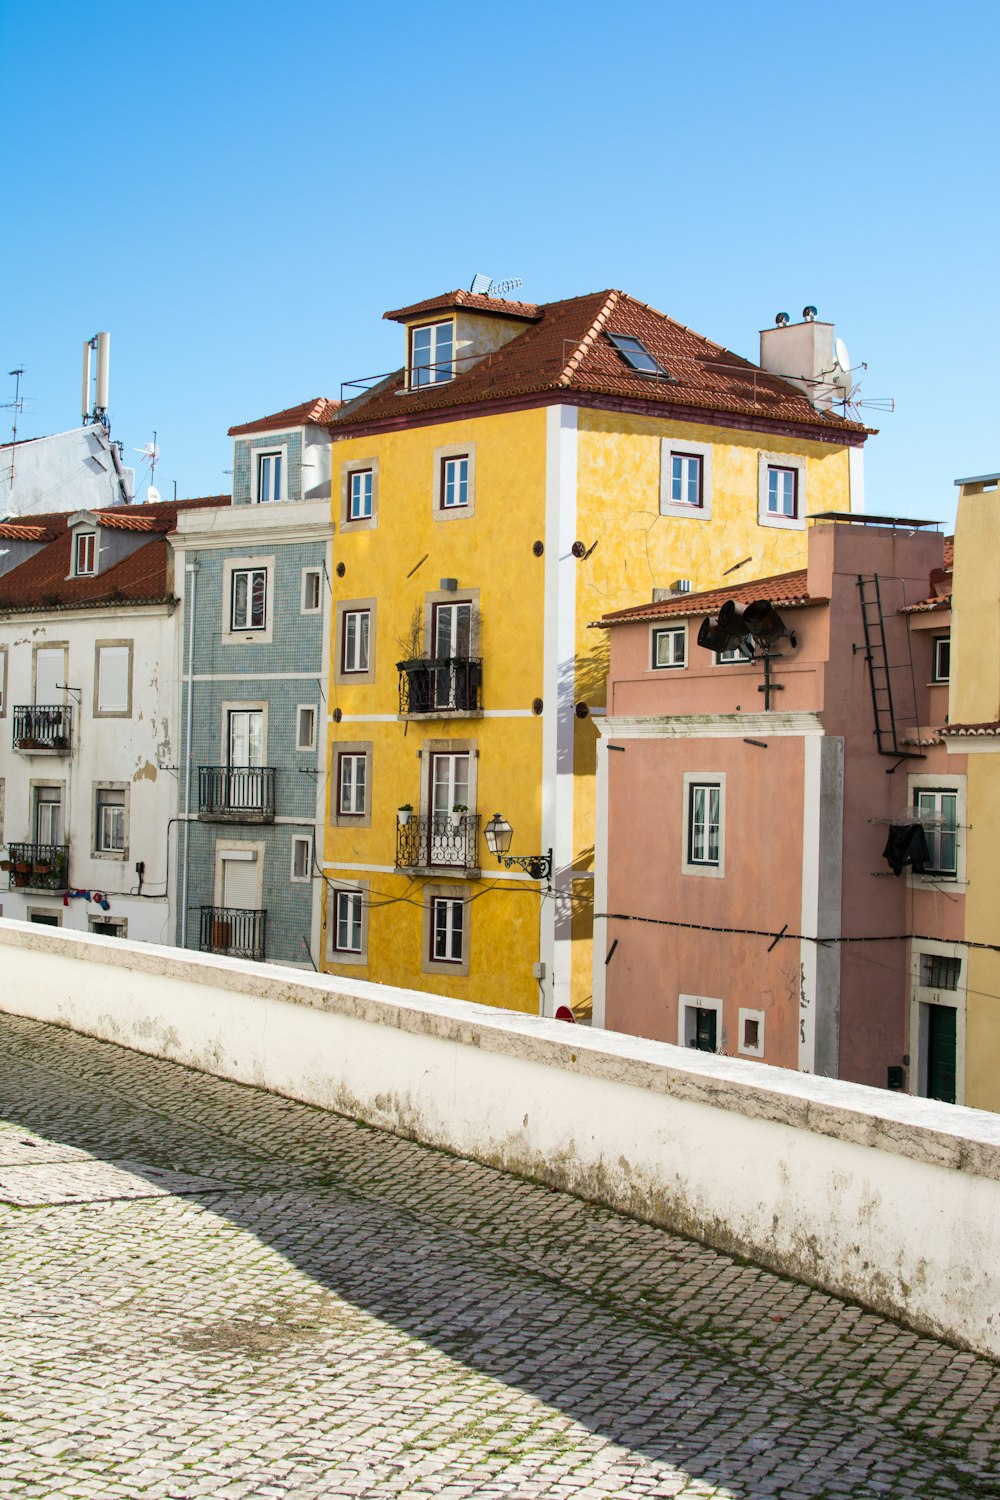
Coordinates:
236 794
441 842
37 867
44 727
235 931
440 685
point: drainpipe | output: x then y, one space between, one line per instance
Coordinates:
191 569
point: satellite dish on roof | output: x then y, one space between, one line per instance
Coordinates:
152 495
843 358
842 369
481 285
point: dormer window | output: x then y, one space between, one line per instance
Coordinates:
85 554
269 468
432 348
635 354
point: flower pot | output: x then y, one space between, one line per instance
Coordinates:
404 815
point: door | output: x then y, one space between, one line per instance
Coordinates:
244 784
942 1072
705 1030
50 675
452 645
48 815
235 932
449 785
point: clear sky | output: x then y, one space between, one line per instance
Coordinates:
238 191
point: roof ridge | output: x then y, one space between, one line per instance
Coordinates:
583 348
648 306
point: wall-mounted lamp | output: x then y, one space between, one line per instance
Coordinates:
499 833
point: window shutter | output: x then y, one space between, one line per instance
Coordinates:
112 689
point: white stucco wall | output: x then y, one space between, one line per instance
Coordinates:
892 1200
67 471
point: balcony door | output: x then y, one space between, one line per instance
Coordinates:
244 784
449 785
50 675
452 644
48 815
239 884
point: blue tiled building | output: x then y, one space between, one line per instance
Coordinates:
252 668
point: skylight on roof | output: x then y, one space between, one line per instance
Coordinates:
635 354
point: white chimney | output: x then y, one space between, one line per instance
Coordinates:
804 355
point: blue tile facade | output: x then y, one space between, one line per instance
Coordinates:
245 456
246 672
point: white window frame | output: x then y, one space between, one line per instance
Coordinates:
687 1021
352 479
104 919
459 895
682 509
101 791
83 537
693 779
436 375
356 667
301 711
261 456
921 996
730 659
455 482
247 624
100 712
765 516
676 633
748 1050
926 782
453 907
358 889
937 643
312 580
350 758
298 841
347 473
445 455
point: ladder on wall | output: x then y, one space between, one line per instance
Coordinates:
877 661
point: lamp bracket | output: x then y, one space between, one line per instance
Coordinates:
538 866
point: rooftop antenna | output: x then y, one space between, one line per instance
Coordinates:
481 285
17 406
501 288
151 454
101 342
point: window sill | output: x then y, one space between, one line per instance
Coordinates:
442 713
441 872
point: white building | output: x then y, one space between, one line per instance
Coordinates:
64 472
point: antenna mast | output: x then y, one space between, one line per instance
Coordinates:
17 405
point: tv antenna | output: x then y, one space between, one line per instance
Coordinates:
16 406
485 286
151 454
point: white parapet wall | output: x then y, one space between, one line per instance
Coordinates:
880 1197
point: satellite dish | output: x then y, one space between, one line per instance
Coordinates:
843 358
152 495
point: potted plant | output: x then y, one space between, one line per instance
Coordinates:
458 812
405 813
415 666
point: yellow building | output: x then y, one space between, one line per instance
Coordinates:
529 469
973 730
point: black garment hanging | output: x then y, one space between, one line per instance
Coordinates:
907 845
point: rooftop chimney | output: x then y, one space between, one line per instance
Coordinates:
804 354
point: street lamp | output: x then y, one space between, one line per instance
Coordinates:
499 833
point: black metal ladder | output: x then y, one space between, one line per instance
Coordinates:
876 658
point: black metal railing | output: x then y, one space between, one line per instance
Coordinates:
43 726
440 685
37 867
236 931
444 841
236 794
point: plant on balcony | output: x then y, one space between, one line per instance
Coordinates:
414 664
458 813
405 813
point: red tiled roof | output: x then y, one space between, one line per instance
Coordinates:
320 410
949 553
785 589
926 606
131 521
963 731
17 531
471 302
565 350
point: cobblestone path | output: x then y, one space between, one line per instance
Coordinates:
211 1291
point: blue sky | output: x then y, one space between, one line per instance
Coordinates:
238 192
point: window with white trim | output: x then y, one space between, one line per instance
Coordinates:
782 492
937 809
269 476
447 929
704 817
356 634
454 482
352 784
360 483
302 847
85 553
940 971
751 1033
941 671
347 922
669 646
312 591
248 600
432 354
109 821
685 479
305 734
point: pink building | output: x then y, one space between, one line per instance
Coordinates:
745 902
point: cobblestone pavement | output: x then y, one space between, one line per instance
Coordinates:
211 1291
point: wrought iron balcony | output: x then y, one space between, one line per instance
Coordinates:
237 932
44 727
37 867
440 685
236 794
443 841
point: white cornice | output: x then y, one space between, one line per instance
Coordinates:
709 726
255 525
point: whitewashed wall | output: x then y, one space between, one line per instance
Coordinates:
892 1200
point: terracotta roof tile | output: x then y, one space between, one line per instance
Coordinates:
472 302
319 411
927 606
17 531
129 520
564 349
785 590
968 731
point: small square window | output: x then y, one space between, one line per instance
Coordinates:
782 491
352 785
942 658
635 354
85 553
670 647
249 599
347 924
269 467
305 737
751 1033
356 640
722 657
312 591
685 479
302 857
447 929
939 971
359 499
454 482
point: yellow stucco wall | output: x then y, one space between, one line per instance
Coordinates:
982 1022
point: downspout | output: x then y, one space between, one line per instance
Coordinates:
191 569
